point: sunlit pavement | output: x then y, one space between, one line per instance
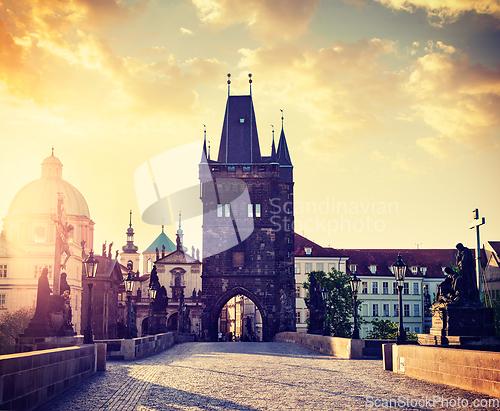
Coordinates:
256 376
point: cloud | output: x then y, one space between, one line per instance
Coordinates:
344 89
442 12
52 53
459 100
186 31
268 20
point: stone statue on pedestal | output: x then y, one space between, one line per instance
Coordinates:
316 306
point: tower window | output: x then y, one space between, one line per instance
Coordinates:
250 210
219 210
228 210
257 210
242 120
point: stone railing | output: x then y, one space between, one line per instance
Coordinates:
335 346
466 369
131 349
31 379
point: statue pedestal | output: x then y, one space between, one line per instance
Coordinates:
26 344
461 325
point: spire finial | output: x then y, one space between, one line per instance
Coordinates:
228 84
282 118
130 225
52 149
162 228
273 131
179 219
209 149
250 81
204 132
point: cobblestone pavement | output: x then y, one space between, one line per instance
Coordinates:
255 376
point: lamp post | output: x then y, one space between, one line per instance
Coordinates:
354 288
324 295
91 264
129 286
399 269
152 295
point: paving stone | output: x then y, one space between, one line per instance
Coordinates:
255 376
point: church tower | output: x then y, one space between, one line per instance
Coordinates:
129 251
248 241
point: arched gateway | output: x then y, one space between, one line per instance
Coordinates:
248 241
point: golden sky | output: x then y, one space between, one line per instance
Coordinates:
391 106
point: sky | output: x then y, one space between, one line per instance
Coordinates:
391 107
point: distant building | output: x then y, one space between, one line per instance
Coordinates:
310 256
378 294
27 241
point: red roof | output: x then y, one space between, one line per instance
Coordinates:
432 259
301 243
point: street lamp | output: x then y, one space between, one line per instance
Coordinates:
152 296
91 264
129 286
354 288
324 295
399 270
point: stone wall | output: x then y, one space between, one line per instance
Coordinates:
334 346
131 349
30 379
467 369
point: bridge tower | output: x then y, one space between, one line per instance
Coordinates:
248 241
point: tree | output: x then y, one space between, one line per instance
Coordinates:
11 325
339 301
383 329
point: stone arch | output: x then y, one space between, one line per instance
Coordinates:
224 298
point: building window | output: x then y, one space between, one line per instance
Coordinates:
414 269
417 330
297 317
39 268
297 290
386 310
250 210
364 287
406 288
308 268
396 310
246 168
228 210
353 268
406 311
423 270
219 210
150 265
297 268
373 269
395 288
319 266
416 290
308 250
120 297
375 310
426 289
39 235
375 287
3 270
385 287
257 210
416 310
3 300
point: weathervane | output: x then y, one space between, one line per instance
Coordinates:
250 81
228 83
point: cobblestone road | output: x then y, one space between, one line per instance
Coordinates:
255 376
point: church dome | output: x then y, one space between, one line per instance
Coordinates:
40 196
